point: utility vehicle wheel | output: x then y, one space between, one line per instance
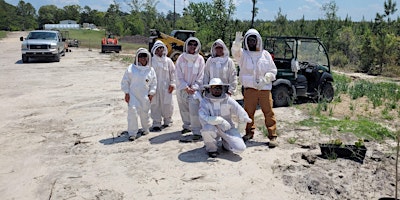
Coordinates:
25 59
281 96
327 92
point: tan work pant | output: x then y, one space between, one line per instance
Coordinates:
252 98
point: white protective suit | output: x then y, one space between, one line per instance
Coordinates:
221 67
257 69
216 118
161 104
190 73
139 82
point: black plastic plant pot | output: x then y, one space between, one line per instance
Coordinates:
352 152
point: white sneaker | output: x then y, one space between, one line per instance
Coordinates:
145 132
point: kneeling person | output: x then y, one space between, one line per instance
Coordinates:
216 110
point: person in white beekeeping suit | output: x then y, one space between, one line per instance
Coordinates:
220 65
139 84
216 110
190 72
257 72
162 106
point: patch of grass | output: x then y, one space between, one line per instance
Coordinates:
92 39
123 58
130 47
292 140
362 127
341 83
378 102
3 34
263 130
375 92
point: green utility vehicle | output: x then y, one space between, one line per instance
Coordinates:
304 71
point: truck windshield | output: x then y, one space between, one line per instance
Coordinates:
42 36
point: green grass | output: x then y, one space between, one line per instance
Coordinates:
92 39
362 127
3 34
384 96
341 83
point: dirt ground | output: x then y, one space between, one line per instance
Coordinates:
59 139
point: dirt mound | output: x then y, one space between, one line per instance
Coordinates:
137 39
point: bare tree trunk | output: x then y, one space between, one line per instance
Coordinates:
253 13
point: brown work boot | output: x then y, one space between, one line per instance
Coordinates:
273 142
247 137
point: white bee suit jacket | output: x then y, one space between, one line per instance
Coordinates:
211 109
190 73
221 67
139 82
257 69
162 105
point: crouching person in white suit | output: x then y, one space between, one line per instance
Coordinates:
216 110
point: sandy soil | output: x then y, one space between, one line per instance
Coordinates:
59 140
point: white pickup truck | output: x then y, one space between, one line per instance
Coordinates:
42 44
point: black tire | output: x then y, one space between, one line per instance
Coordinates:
57 57
174 55
25 59
281 96
327 92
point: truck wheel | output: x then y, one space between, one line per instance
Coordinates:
327 92
281 96
25 59
57 57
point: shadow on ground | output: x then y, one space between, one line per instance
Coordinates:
200 155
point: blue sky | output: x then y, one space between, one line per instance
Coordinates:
268 9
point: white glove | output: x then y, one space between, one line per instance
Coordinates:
216 120
241 127
197 95
245 120
225 125
268 77
238 38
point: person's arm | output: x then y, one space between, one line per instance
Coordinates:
271 70
206 117
153 84
237 47
172 76
125 85
206 78
232 78
180 76
198 83
238 110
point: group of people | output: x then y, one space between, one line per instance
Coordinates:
203 91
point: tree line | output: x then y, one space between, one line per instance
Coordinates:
368 46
